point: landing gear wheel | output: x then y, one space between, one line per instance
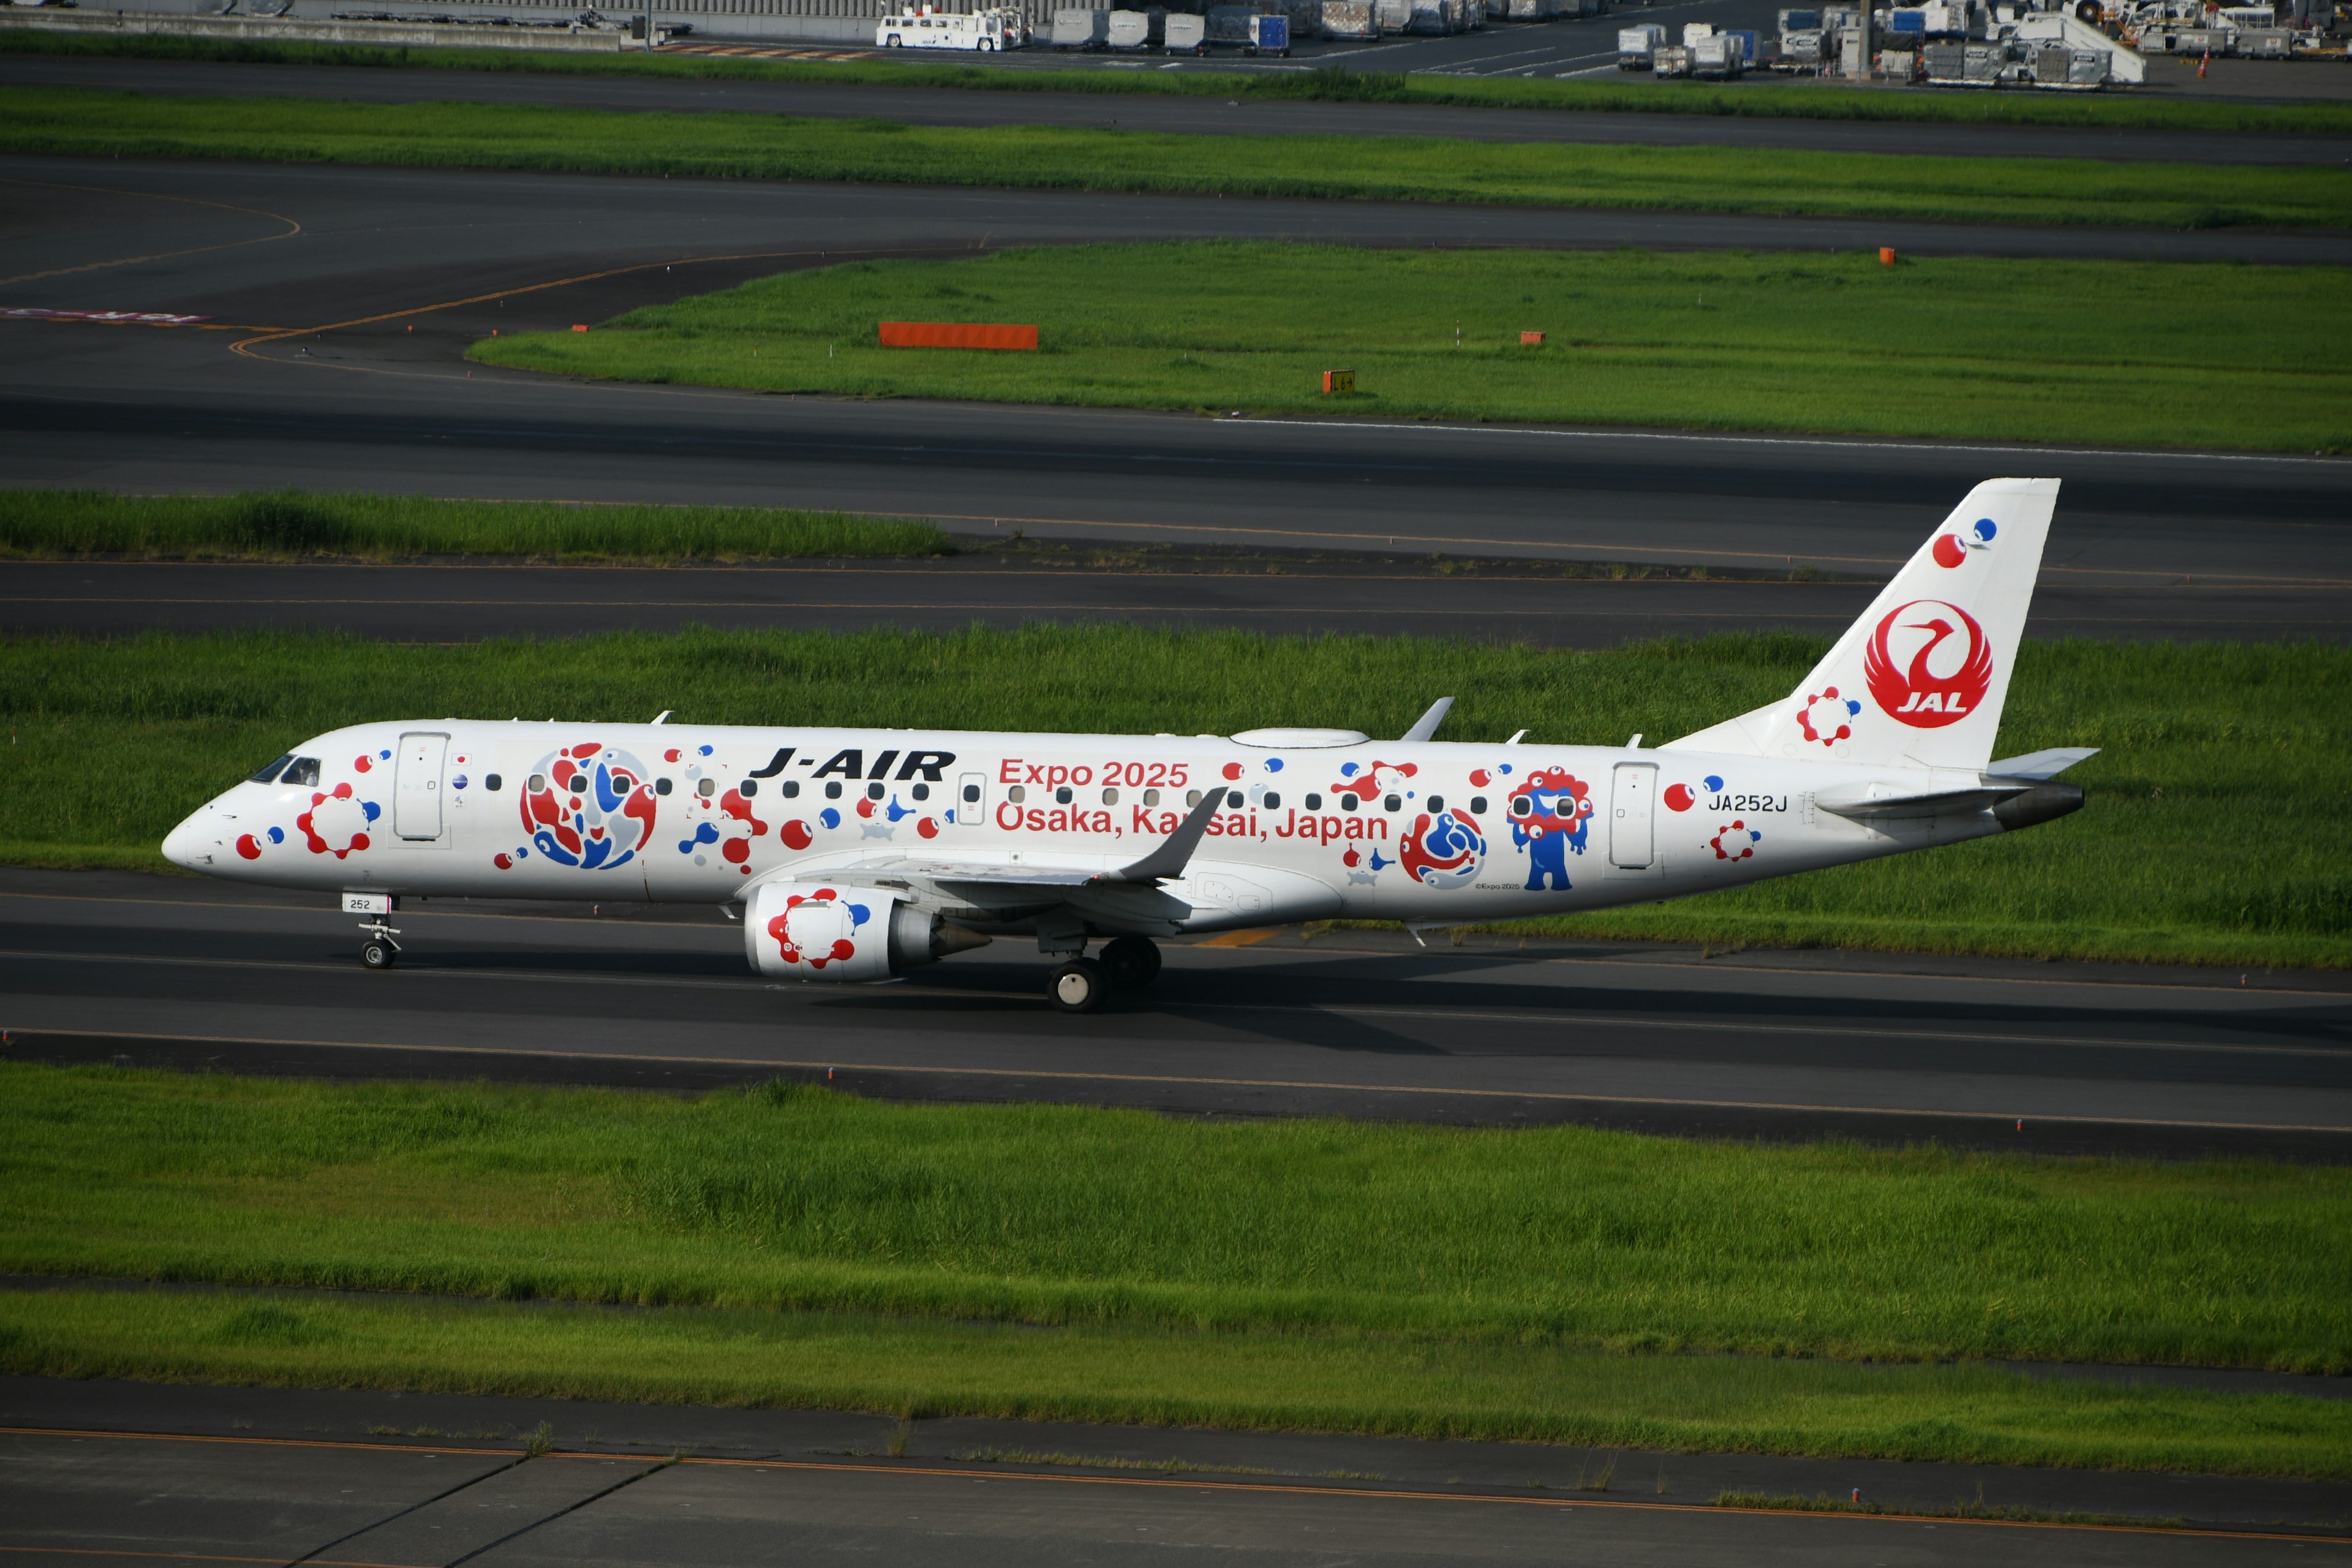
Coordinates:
1078 986
1131 962
378 954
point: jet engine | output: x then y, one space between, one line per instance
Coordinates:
843 935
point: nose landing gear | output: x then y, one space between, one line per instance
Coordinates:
380 950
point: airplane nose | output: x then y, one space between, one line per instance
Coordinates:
194 844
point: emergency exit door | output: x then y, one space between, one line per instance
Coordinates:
416 786
1632 827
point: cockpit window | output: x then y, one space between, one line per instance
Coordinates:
305 771
268 773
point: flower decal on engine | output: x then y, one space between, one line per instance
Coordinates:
1735 842
588 806
1826 716
806 931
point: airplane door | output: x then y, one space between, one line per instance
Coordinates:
1632 799
971 801
416 786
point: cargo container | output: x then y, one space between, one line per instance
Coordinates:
1801 47
1693 31
1898 64
1670 61
1184 34
1946 62
1720 57
1352 18
1395 15
1798 22
1135 29
1532 10
1634 44
1752 46
1077 29
2263 43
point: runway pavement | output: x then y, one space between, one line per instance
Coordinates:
2187 544
450 601
125 1470
1142 113
2048 1057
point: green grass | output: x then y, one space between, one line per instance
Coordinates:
2209 834
288 523
759 146
2012 350
1071 1261
1232 1380
1808 102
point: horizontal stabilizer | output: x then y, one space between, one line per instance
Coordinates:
1939 802
2046 764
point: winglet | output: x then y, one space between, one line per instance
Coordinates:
1425 727
1175 851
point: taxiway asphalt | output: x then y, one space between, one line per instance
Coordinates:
2048 1057
1190 115
129 1470
390 273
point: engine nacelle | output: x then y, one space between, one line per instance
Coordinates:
843 935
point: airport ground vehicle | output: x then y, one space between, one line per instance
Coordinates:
984 32
856 855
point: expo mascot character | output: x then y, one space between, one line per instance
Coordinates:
1549 812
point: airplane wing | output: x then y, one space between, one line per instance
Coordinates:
978 880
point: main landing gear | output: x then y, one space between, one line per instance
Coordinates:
1127 964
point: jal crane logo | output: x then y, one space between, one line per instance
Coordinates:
1929 664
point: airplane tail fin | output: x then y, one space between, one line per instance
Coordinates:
1919 680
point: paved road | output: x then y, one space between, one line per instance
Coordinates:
177 972
273 1474
454 602
2212 542
1198 116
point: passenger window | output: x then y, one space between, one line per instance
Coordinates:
1151 797
305 771
832 789
707 788
1273 801
661 786
1110 798
921 791
874 792
1393 803
1191 797
1437 803
792 788
578 784
748 788
538 783
494 783
1016 793
270 771
1478 806
1522 806
1314 803
1347 803
1232 799
1062 796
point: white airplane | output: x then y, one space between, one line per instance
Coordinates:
853 856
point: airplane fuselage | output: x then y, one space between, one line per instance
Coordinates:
1430 833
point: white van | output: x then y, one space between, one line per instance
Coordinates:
985 32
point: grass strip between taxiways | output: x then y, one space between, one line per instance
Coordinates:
1777 101
1954 348
804 1248
290 524
726 146
2211 834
